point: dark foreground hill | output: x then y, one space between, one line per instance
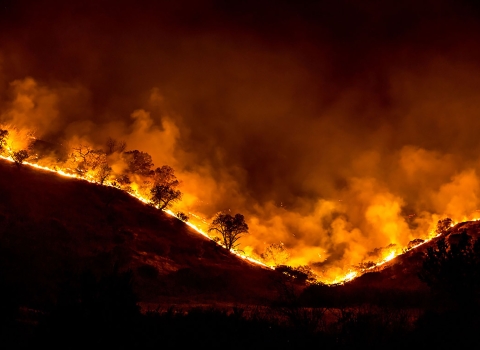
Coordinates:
54 230
402 273
76 260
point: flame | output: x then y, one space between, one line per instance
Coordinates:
137 196
343 279
384 203
339 279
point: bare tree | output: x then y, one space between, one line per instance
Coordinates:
115 146
230 228
102 173
87 158
164 191
276 253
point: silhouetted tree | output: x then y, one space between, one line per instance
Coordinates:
165 176
443 225
102 173
164 191
139 162
123 180
113 146
164 195
230 227
87 158
19 156
414 242
182 216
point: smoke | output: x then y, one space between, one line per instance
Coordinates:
336 129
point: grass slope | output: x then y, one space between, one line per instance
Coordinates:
54 228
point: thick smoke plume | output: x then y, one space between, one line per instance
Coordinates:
340 130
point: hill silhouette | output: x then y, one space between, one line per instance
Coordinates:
402 272
54 228
79 260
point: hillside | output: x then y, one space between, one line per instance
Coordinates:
71 253
401 273
53 229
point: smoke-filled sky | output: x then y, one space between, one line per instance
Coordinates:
335 127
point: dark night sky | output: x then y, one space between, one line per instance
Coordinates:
325 123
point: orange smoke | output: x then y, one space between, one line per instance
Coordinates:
342 138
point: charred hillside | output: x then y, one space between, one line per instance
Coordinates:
53 229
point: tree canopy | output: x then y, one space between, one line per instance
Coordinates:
139 162
163 196
164 191
165 176
230 228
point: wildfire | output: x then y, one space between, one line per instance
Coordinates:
139 190
345 278
135 195
338 280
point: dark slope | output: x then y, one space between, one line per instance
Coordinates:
53 229
402 272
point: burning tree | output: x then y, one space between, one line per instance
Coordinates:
164 191
275 253
165 176
87 158
182 216
19 156
103 173
230 227
139 162
163 196
443 225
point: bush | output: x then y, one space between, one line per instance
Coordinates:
182 216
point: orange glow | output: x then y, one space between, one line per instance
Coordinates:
367 218
139 197
338 277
